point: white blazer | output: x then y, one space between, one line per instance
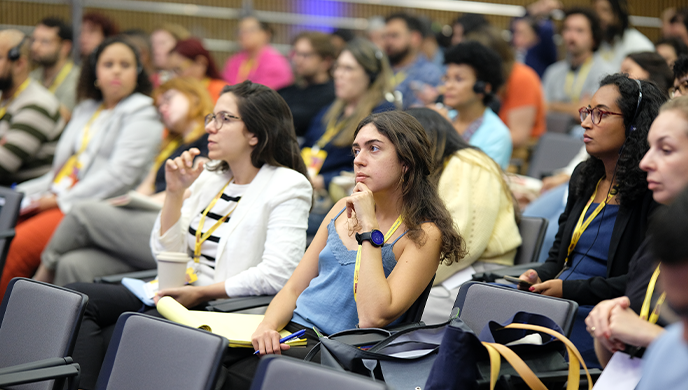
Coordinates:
122 151
266 235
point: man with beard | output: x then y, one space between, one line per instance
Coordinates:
50 50
30 121
570 83
312 57
619 39
413 73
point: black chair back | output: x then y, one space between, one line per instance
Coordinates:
10 203
279 372
152 353
532 231
479 303
38 321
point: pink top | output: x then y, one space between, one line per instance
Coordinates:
272 69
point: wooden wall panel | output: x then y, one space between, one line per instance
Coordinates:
17 12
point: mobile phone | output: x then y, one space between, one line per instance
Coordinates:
522 284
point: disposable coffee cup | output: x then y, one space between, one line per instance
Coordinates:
172 269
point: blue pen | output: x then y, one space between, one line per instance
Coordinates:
287 338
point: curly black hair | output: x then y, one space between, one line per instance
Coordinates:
485 62
631 180
86 88
681 67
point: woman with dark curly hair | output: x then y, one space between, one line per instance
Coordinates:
608 206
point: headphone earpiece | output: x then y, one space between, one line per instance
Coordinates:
15 53
631 128
480 87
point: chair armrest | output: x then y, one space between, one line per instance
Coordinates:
498 273
51 362
114 279
241 303
9 233
70 371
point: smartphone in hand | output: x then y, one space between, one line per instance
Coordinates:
522 284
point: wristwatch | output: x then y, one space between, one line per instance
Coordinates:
374 236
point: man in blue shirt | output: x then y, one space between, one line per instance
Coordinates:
666 362
412 71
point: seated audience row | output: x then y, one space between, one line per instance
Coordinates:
105 151
98 238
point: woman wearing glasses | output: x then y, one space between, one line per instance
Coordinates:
608 206
244 220
98 238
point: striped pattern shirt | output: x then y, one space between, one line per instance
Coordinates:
29 132
227 202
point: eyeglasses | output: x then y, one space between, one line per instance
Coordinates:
597 114
682 88
220 119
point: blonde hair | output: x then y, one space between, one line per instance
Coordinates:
200 105
679 104
376 65
177 31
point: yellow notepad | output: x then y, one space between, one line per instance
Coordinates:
237 328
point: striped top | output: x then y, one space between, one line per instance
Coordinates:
29 132
227 202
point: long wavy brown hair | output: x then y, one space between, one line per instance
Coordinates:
420 199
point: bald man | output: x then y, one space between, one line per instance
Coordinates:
30 120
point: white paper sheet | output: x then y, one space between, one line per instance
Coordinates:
622 373
459 278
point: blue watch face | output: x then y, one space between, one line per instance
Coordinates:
377 237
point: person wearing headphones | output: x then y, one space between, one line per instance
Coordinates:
362 81
609 205
105 151
30 120
474 73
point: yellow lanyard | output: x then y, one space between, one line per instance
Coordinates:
200 238
645 309
245 69
583 223
357 268
61 76
333 128
71 167
166 152
22 87
572 91
398 78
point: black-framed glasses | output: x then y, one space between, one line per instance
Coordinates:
220 119
596 113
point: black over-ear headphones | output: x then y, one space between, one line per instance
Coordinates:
480 87
637 106
631 127
15 53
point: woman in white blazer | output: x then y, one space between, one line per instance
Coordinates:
105 151
248 208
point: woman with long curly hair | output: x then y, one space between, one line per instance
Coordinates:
608 206
352 275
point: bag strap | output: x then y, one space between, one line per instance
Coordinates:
516 362
311 354
575 358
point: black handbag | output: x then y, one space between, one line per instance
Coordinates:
403 360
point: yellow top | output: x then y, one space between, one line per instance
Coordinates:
483 212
